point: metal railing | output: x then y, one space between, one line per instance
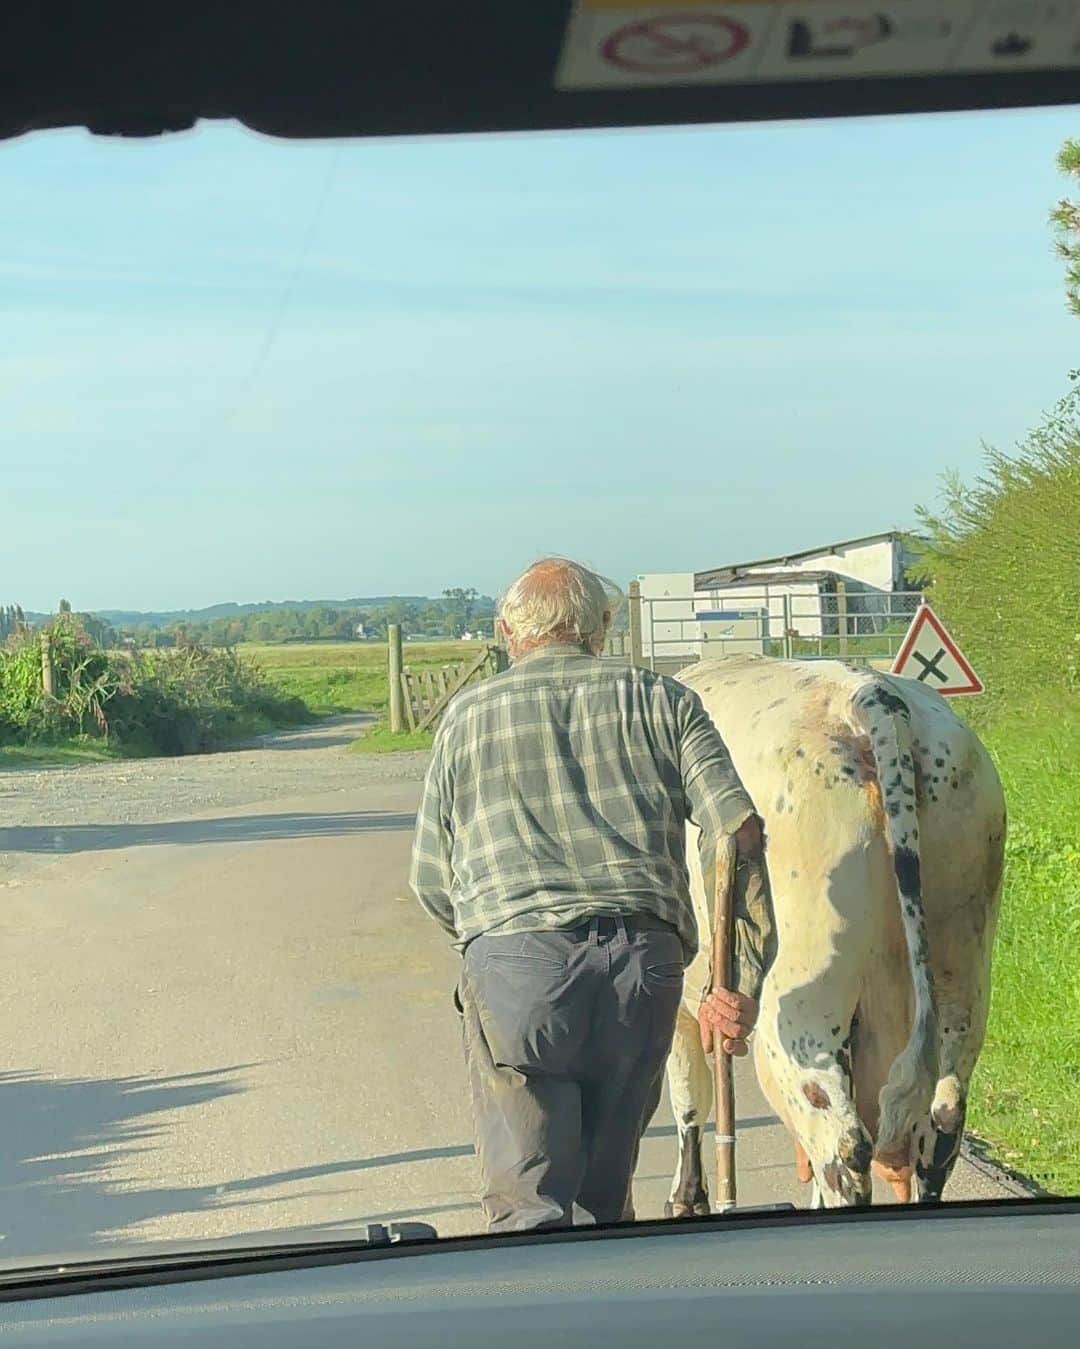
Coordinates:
798 620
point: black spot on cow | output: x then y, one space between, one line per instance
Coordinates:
794 875
779 805
835 1030
906 865
860 1155
893 807
893 704
800 753
778 703
939 763
847 770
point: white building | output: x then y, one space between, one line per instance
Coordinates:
748 606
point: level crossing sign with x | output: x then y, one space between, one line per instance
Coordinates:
929 655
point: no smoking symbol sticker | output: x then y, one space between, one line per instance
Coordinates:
678 44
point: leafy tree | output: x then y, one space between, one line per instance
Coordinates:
460 607
1065 217
65 606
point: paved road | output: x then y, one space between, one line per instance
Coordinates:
235 1022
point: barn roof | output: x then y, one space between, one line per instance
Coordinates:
764 578
736 571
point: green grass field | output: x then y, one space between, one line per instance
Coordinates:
346 676
1026 1090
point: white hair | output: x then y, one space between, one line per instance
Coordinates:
559 600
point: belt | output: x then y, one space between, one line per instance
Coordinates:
608 924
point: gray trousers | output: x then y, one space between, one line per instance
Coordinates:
566 1035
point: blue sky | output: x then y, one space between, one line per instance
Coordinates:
235 368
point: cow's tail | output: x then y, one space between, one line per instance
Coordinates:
906 1096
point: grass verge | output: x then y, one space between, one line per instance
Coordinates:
78 750
381 740
1025 1097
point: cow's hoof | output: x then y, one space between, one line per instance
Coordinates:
700 1209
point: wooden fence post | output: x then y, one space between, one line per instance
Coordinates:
636 651
841 616
397 718
48 683
786 602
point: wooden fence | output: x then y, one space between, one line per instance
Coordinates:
418 698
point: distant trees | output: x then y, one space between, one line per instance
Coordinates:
100 631
12 621
460 609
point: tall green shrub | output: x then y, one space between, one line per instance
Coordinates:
1004 560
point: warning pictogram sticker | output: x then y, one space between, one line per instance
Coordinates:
675 44
642 44
930 656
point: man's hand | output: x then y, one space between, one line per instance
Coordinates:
729 1015
748 837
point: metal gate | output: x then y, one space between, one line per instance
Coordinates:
796 621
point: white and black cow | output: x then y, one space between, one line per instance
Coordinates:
886 829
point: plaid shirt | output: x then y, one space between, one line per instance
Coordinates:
560 790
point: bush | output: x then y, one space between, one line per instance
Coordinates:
1005 574
167 702
1004 566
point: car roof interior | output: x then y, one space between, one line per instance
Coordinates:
359 68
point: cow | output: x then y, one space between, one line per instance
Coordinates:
885 822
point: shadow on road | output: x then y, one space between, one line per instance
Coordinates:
66 1145
453 1150
77 838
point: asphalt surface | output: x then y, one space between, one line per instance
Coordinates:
224 1016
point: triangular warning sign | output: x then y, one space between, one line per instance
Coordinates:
929 655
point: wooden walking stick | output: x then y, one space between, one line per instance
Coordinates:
723 1080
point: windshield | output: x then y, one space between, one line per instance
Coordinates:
353 872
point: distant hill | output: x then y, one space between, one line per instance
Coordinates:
131 618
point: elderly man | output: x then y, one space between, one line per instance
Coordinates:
550 845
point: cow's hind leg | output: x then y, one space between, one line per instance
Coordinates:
690 1088
808 1071
939 1135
